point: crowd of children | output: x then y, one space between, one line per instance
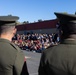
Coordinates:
36 42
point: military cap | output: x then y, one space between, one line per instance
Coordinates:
8 20
65 18
67 22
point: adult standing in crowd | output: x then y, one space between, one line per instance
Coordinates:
12 59
61 59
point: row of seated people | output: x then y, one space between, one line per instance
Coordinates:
35 42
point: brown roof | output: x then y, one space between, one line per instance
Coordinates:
38 25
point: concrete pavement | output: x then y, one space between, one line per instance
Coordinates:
32 60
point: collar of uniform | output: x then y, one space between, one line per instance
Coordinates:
4 40
69 41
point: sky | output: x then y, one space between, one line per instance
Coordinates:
33 10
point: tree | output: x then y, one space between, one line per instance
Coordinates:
25 22
9 15
40 20
18 23
75 13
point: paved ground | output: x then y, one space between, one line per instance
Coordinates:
33 60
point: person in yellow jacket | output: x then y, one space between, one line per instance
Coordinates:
12 59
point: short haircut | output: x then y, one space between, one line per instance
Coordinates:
6 29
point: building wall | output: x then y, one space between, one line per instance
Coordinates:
49 31
48 26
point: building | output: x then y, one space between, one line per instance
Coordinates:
48 26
